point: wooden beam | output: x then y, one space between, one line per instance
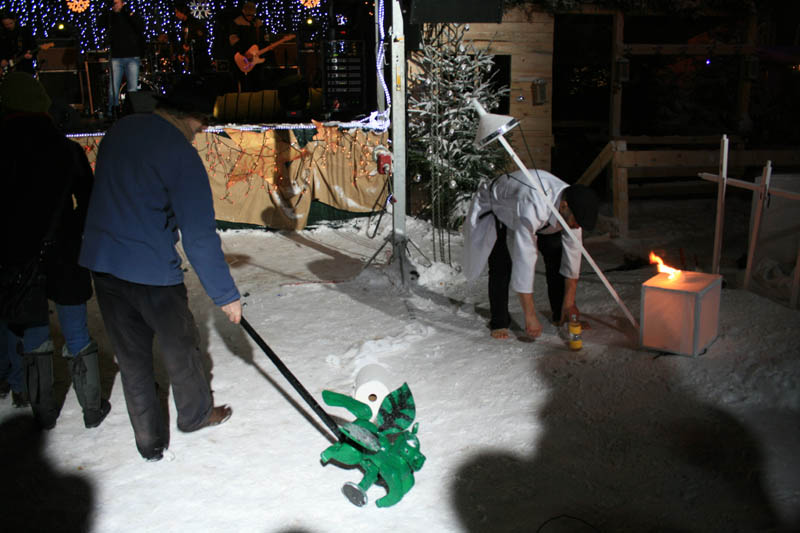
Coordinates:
795 281
705 158
615 107
730 181
745 83
674 139
693 49
763 196
600 162
620 199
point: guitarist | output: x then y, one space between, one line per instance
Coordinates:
192 44
245 31
17 45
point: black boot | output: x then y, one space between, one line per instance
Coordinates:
19 399
39 381
85 372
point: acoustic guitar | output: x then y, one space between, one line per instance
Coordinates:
12 63
252 57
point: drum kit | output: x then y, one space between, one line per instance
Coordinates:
161 66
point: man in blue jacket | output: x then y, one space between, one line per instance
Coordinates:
150 183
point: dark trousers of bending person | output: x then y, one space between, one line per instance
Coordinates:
550 247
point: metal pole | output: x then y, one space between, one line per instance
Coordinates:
398 128
324 416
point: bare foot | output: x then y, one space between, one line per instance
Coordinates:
501 333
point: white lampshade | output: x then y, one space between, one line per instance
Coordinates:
491 126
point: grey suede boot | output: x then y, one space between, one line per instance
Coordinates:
85 372
39 381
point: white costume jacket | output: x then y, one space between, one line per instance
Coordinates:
515 202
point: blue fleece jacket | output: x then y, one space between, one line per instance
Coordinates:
150 183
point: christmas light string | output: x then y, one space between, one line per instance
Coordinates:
42 17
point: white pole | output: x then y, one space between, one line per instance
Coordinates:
569 231
722 186
398 127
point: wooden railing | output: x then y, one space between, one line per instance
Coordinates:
625 164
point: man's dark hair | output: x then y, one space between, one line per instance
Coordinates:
182 7
583 203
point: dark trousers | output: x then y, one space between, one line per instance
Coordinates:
550 248
134 314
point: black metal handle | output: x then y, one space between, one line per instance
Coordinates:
324 416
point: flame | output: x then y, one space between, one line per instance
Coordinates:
673 272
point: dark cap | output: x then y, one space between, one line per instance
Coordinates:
583 203
191 94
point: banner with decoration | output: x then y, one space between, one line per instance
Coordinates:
268 177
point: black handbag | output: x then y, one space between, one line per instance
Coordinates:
23 287
23 292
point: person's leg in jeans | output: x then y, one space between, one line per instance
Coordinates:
74 326
114 83
82 357
499 280
551 249
132 73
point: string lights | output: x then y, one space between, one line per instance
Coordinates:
42 17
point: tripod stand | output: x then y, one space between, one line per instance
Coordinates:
398 239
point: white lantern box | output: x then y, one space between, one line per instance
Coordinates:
680 315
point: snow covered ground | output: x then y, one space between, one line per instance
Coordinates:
519 436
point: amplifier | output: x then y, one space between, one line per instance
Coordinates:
58 59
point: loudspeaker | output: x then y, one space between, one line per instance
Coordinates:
248 107
66 118
64 86
140 102
456 11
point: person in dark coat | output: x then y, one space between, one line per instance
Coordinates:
46 175
150 185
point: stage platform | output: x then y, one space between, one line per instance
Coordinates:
268 174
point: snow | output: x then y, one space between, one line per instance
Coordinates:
519 435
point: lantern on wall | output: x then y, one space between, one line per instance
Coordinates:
539 91
309 3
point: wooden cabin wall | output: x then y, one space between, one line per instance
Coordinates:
527 36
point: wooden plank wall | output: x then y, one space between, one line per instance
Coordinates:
527 36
